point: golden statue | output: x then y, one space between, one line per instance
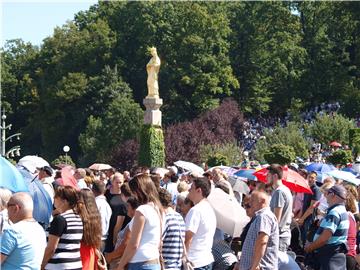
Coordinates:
152 69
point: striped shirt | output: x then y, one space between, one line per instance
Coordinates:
172 249
336 220
69 227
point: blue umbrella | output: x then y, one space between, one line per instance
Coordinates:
42 201
348 169
10 177
320 167
247 173
346 176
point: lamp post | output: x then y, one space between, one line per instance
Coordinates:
66 149
14 150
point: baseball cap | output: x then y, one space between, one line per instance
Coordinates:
47 170
339 191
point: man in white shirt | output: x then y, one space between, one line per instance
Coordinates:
200 226
99 189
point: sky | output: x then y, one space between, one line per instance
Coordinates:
34 20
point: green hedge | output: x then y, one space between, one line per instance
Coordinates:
152 147
280 154
354 140
340 157
217 160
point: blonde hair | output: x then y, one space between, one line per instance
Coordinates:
325 187
5 196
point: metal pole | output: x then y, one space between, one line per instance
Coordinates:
3 136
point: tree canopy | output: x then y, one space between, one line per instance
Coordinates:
84 85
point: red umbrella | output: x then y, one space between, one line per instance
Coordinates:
292 180
335 144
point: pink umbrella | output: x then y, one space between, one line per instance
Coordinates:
67 178
335 144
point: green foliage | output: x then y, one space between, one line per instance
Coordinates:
152 147
217 160
230 151
120 121
340 157
62 159
266 54
291 135
280 154
328 128
271 59
354 140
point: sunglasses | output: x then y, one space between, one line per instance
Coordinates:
247 206
11 204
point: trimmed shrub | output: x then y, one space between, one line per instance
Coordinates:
231 151
280 154
217 160
340 157
152 147
62 159
354 141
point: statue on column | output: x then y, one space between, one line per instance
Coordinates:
152 69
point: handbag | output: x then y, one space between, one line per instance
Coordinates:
100 260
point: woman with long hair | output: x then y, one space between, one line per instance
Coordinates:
65 232
142 251
91 239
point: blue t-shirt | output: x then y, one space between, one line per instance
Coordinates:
24 244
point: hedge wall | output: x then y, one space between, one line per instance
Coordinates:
152 147
354 140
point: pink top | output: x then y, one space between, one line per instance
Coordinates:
351 239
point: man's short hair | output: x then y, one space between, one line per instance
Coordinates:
99 187
276 169
204 184
313 172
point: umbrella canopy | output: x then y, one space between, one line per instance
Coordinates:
239 185
100 167
67 178
189 166
10 177
346 176
296 182
226 169
350 170
230 216
32 162
291 179
246 173
335 144
320 167
42 201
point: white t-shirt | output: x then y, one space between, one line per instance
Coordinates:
105 213
150 239
201 221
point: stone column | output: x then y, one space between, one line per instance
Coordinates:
152 114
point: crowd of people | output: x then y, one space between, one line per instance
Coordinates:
253 128
154 217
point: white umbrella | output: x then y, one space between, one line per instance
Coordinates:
31 163
346 176
100 167
189 166
230 215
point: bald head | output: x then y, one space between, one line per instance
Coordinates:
259 199
20 206
23 200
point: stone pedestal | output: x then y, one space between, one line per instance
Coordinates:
152 113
